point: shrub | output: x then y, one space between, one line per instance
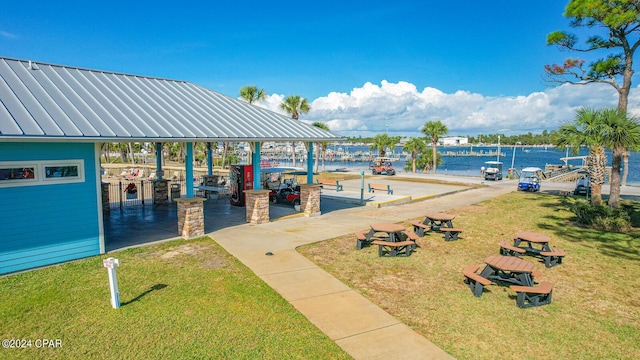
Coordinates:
601 217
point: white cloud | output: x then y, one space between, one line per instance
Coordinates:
368 110
8 35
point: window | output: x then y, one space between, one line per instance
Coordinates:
60 171
16 173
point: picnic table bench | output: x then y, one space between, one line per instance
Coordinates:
381 187
394 248
510 250
420 228
475 281
529 296
553 257
450 234
330 183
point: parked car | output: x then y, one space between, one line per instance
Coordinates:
530 179
493 170
583 184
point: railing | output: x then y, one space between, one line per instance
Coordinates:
120 197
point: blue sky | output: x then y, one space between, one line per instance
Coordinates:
362 64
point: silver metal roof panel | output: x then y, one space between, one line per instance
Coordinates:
41 101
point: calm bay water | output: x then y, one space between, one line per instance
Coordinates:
470 165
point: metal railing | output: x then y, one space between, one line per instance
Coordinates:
121 194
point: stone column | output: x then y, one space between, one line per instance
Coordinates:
190 217
160 192
310 199
257 206
106 207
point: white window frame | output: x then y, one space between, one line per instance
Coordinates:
39 167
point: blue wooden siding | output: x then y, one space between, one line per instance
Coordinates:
49 223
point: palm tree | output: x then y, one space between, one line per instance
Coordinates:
250 94
415 146
620 132
321 145
586 129
382 141
433 130
294 105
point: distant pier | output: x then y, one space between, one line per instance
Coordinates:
472 153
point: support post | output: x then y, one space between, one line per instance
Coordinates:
255 157
209 159
310 163
189 170
159 171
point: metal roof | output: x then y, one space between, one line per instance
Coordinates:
44 102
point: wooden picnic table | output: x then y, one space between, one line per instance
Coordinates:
393 231
438 220
532 238
508 269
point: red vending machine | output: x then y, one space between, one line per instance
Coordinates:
240 179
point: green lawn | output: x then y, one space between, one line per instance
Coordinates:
595 312
183 299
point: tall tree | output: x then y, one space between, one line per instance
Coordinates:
433 130
251 94
616 28
586 129
619 132
294 105
415 146
321 147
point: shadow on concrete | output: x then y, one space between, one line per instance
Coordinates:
138 225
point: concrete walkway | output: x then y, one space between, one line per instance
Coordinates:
353 322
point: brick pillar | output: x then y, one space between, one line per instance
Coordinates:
310 199
105 197
190 217
160 192
257 206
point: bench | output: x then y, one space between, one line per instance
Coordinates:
381 187
508 249
328 182
450 234
552 258
361 239
394 248
408 235
474 280
529 296
420 228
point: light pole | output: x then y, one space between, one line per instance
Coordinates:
513 157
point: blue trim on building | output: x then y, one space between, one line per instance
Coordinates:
48 223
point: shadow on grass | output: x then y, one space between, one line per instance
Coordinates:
614 244
151 289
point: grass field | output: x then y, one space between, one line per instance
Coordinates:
595 313
180 300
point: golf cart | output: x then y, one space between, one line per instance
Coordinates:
530 179
382 166
493 170
583 184
283 186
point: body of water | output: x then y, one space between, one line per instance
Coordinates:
470 165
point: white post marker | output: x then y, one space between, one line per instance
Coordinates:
111 264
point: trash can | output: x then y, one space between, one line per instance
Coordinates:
175 192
